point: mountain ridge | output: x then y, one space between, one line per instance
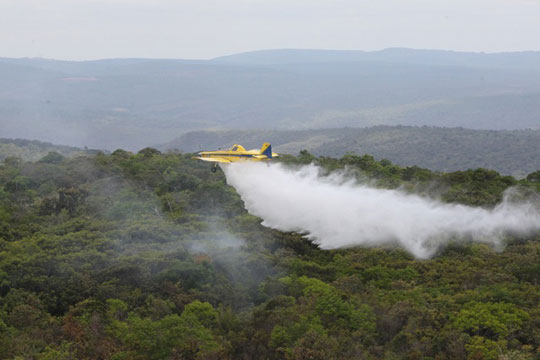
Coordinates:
430 56
133 103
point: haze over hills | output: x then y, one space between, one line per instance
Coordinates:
34 150
132 103
512 60
514 152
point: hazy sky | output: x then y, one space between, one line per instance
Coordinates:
90 29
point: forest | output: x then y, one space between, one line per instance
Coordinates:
149 255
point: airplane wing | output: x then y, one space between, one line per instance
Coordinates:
213 159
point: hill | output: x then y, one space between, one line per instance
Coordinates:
529 60
132 103
444 149
33 150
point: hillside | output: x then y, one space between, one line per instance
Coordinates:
445 149
33 150
133 103
152 256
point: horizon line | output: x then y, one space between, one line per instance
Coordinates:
268 50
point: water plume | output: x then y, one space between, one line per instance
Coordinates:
336 211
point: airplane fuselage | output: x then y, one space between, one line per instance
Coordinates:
235 154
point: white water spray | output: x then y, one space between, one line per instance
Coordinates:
336 212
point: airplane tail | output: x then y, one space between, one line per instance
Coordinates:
267 150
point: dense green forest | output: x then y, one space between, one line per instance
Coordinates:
151 256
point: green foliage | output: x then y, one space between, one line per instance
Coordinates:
485 349
534 177
185 336
151 256
52 158
62 352
149 152
490 320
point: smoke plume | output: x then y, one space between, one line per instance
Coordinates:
338 212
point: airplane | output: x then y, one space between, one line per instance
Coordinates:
236 153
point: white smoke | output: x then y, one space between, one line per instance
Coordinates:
336 212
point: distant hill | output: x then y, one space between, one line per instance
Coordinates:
515 60
133 103
33 150
446 149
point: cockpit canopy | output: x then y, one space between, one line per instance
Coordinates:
237 147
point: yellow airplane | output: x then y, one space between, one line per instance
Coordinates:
236 153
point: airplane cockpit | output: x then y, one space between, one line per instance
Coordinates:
237 147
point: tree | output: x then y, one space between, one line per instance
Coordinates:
534 177
149 152
52 158
490 320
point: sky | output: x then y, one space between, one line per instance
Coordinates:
201 29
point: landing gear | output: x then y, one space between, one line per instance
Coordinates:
214 168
